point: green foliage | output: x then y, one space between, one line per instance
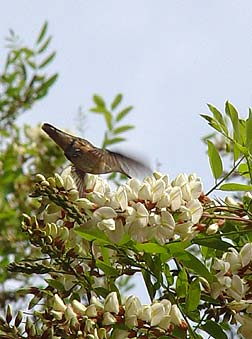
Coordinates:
114 127
23 151
111 135
233 137
23 80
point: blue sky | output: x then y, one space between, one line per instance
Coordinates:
168 58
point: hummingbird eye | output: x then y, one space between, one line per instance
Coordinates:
76 153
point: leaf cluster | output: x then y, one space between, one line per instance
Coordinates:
23 80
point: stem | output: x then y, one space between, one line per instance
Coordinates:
227 217
226 176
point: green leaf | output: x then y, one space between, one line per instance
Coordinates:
48 83
45 45
31 64
122 129
107 269
182 284
148 282
99 101
243 169
218 116
114 141
191 262
215 243
116 101
216 113
248 129
123 113
108 119
235 187
233 115
150 248
42 32
212 122
55 284
47 60
193 296
214 329
92 235
98 110
215 160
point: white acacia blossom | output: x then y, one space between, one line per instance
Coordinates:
155 209
233 281
160 314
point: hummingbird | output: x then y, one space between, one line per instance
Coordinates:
86 158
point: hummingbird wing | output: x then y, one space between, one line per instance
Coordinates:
128 165
78 177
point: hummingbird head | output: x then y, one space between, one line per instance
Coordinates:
76 149
62 139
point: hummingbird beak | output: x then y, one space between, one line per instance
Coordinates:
61 138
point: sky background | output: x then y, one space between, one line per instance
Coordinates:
168 58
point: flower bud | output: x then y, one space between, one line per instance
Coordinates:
58 181
39 178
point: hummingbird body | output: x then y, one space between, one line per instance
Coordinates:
86 158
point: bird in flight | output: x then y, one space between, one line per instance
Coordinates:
86 158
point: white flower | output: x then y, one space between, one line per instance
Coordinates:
132 306
111 303
145 192
237 288
182 181
131 320
78 307
95 301
195 209
91 311
105 213
58 303
132 187
116 234
164 201
185 230
176 318
246 327
121 197
157 190
246 254
216 289
212 229
138 214
233 258
108 319
95 183
221 266
196 186
106 224
175 198
157 313
145 313
69 313
85 203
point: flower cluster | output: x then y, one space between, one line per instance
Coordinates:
233 273
97 318
153 209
